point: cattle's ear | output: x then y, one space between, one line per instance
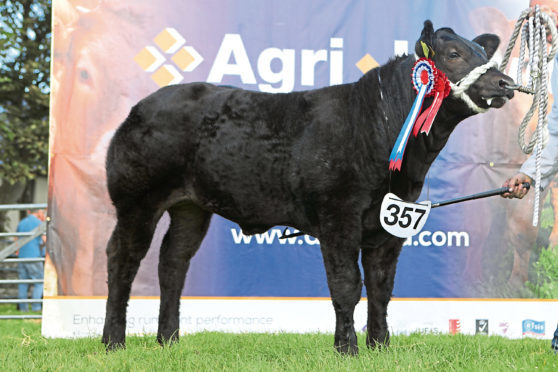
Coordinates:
489 42
426 38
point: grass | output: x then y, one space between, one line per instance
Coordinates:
23 348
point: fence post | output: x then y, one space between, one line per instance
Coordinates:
23 238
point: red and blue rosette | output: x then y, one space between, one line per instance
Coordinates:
440 90
428 81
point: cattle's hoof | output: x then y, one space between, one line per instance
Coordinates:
346 349
375 344
113 345
167 341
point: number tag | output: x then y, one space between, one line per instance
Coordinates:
403 219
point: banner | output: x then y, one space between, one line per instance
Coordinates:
85 317
108 55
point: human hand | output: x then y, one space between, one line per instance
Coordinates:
515 186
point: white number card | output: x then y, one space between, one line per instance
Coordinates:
403 219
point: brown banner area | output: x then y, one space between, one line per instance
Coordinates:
95 82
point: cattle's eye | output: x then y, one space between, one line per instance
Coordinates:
453 55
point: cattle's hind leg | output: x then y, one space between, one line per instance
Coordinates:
127 246
186 231
340 248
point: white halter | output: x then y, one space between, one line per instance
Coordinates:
458 89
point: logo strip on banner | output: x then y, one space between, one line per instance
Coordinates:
186 59
79 317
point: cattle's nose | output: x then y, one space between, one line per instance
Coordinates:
508 85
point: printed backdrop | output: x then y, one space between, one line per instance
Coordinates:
107 55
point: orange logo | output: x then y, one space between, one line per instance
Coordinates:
184 57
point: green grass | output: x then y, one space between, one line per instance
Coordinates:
22 348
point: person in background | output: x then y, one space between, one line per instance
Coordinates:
549 160
31 270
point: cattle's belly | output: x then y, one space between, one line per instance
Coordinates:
252 210
243 178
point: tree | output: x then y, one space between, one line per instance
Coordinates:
25 36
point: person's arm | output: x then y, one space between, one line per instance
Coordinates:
549 168
549 155
43 245
18 229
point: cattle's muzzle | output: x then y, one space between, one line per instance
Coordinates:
499 89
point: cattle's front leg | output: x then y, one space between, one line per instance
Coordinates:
379 264
340 250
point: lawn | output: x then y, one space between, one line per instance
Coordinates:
23 348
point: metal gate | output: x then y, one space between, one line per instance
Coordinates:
23 238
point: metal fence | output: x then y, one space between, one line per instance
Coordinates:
23 238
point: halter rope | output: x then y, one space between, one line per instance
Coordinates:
533 37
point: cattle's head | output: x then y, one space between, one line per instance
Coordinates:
457 56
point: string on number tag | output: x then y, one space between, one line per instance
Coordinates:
403 219
428 81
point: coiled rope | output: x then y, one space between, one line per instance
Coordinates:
532 24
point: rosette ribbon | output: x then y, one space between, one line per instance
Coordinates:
428 81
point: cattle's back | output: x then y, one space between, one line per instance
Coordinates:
245 155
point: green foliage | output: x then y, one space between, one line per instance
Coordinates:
25 35
546 273
547 214
544 269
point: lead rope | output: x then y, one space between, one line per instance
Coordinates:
533 37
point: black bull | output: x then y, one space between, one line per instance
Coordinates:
315 160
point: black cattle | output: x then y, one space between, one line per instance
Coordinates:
315 160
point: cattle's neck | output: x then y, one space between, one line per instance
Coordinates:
387 99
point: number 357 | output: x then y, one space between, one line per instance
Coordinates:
404 217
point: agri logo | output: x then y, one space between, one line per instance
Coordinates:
272 70
184 58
